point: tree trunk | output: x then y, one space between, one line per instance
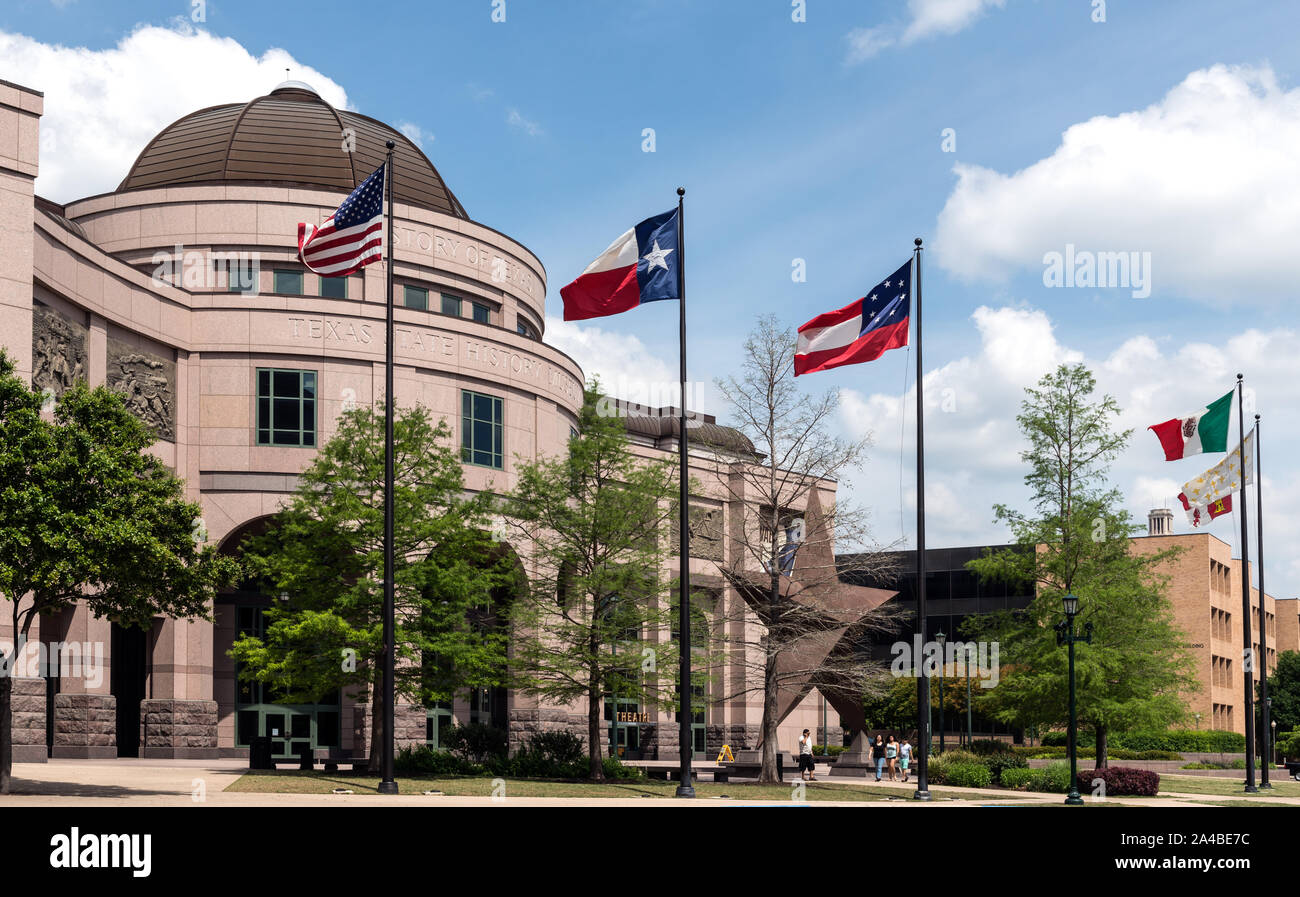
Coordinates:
768 772
593 729
6 731
374 765
1101 748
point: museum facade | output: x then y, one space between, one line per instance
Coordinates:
182 290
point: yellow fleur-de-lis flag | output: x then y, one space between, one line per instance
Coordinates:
1209 495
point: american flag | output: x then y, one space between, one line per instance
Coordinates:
352 237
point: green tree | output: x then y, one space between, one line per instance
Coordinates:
323 556
1284 691
1076 540
88 515
591 520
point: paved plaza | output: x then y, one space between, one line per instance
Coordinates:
197 783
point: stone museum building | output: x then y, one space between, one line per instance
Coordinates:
182 291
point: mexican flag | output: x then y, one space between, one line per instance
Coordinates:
1205 430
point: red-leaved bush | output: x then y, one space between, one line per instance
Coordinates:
1121 780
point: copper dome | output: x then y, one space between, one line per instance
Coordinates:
290 136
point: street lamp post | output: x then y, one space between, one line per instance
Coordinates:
969 730
1272 746
1065 636
940 638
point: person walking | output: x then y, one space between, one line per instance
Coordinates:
807 766
905 757
878 754
891 758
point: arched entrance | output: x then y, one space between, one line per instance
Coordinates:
247 709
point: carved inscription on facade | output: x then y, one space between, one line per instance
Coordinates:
148 385
58 350
706 534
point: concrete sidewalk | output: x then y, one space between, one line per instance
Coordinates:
197 783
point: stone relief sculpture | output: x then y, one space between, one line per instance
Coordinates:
58 350
706 533
148 385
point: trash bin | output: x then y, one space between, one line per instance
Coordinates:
306 756
259 753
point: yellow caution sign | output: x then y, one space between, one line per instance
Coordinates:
725 754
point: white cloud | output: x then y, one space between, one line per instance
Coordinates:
931 17
415 133
867 42
1204 180
528 126
973 444
627 368
103 106
926 18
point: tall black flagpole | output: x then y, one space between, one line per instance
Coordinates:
685 787
388 785
922 680
1249 661
1267 760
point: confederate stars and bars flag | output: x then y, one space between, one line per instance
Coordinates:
858 332
352 237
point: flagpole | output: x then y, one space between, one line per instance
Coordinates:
1267 760
685 786
1249 660
923 680
388 785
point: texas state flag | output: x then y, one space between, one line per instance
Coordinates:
640 266
861 331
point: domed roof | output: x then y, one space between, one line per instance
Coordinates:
290 136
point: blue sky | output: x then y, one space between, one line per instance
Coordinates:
793 142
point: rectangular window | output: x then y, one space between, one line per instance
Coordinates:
417 297
286 407
451 305
482 314
288 283
482 430
334 287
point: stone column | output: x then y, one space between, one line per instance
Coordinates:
85 726
28 726
20 115
179 729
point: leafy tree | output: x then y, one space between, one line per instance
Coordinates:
1076 540
796 453
591 520
1284 690
88 515
323 556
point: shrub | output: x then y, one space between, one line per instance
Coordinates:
1289 745
550 755
423 760
1122 780
1053 778
1017 778
988 747
1208 741
1061 739
479 742
967 775
939 764
615 769
999 763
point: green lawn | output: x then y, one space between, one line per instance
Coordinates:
303 782
1226 786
